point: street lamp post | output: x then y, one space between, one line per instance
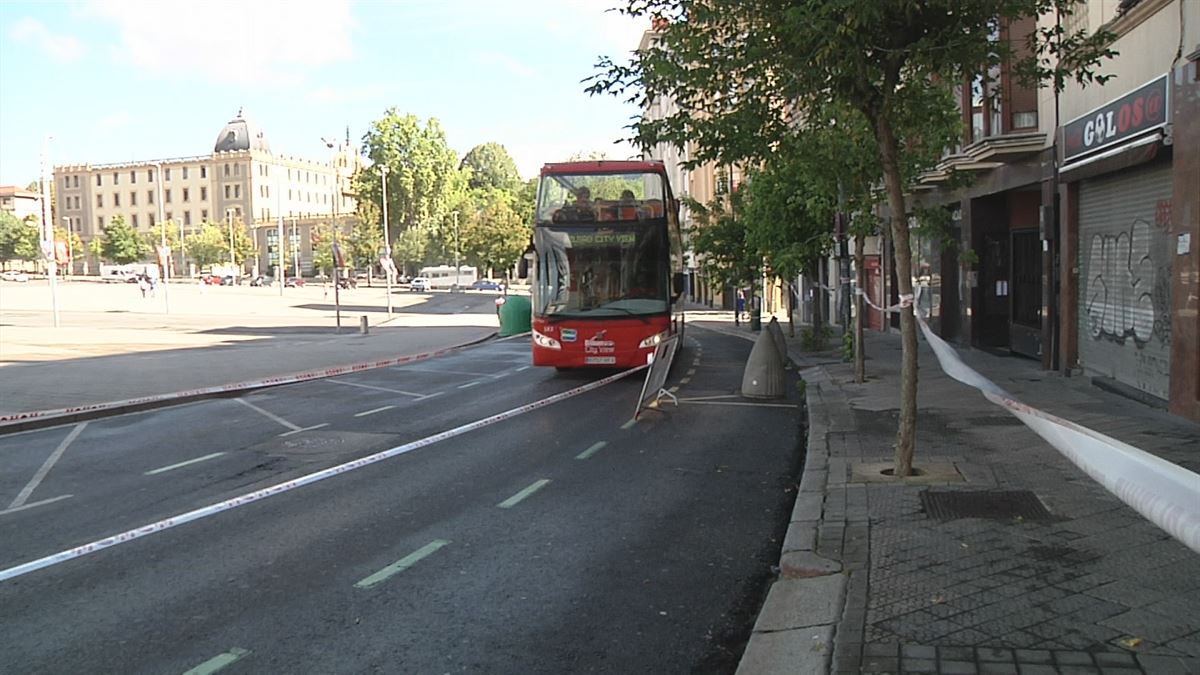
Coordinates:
387 240
163 259
337 298
47 232
457 268
229 219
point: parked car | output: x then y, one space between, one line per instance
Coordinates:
261 280
419 284
347 283
14 275
487 285
294 282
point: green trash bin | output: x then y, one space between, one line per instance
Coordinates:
515 315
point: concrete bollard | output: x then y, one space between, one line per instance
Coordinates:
764 376
780 342
362 324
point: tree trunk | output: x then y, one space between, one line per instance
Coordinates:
860 355
907 432
791 301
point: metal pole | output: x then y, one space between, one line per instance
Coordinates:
229 218
70 248
282 273
47 242
165 261
295 248
457 269
387 240
337 298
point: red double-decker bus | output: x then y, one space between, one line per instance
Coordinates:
608 264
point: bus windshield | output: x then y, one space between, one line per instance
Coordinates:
593 272
579 198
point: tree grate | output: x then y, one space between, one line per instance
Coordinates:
990 504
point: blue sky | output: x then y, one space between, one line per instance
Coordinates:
122 80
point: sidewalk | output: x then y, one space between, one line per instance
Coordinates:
1004 558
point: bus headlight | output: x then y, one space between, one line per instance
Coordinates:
545 341
653 340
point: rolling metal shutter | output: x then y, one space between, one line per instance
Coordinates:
1125 277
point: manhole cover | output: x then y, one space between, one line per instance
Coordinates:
991 504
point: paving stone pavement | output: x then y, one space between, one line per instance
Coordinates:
1084 586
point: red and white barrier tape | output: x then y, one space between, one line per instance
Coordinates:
1166 494
20 417
251 497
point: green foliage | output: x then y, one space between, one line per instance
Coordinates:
495 234
722 242
210 245
122 243
19 239
815 338
153 237
75 245
848 346
491 168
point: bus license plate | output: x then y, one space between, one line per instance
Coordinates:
600 360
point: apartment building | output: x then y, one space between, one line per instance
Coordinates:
1082 214
241 182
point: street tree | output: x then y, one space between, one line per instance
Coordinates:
721 243
19 239
745 73
495 235
210 244
491 167
423 174
122 243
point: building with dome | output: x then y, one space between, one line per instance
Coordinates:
241 183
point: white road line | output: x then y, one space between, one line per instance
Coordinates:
522 368
691 371
286 486
183 464
372 412
218 662
592 450
36 504
523 494
268 415
468 385
434 394
23 496
371 386
710 398
402 564
296 431
438 371
753 405
684 380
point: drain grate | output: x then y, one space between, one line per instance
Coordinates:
990 504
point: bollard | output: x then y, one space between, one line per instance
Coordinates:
362 324
763 377
780 341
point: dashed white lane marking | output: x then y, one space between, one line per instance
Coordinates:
402 564
280 488
596 447
371 386
269 415
468 385
296 431
629 424
438 371
183 464
218 662
523 494
31 505
522 368
691 371
372 412
23 496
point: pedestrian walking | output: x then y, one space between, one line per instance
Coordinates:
143 285
739 307
153 285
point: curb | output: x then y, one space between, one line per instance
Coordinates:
795 629
40 419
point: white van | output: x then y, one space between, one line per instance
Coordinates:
419 284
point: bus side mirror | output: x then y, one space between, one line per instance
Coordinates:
677 284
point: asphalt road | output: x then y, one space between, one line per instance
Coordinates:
560 538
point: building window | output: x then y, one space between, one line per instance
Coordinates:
203 214
66 183
77 203
267 191
133 199
152 222
237 191
99 182
187 217
204 172
226 169
167 173
237 169
203 194
99 222
1025 120
226 192
116 199
186 195
166 196
149 196
184 172
133 221
149 175
170 215
116 178
100 201
133 176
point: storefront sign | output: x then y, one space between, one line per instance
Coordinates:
1135 113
